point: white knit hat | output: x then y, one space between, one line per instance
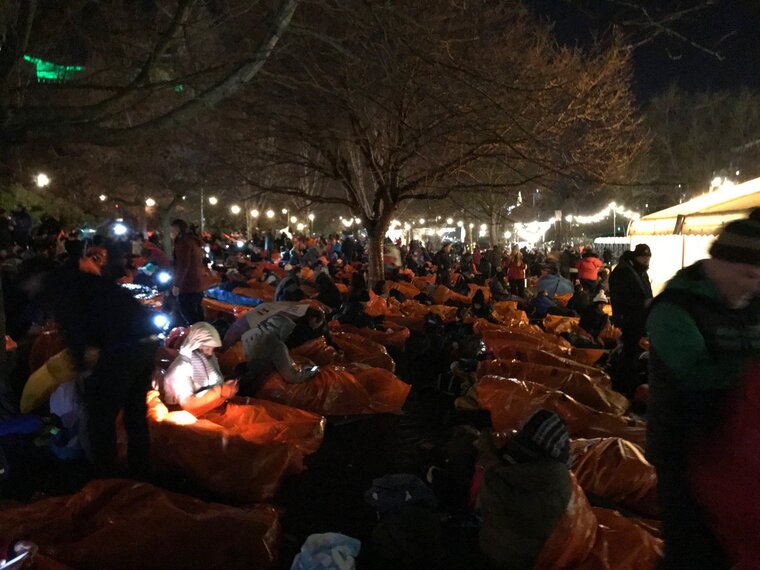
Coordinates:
601 297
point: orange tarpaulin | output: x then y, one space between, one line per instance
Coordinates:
443 295
575 384
10 344
336 391
214 310
617 470
392 335
120 524
357 348
242 452
317 351
527 354
558 324
407 289
622 544
511 401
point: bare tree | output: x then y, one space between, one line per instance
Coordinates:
392 102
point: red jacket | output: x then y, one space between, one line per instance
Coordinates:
516 270
188 264
588 267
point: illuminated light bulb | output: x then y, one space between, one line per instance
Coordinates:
300 227
348 223
42 180
293 219
270 214
483 227
357 220
422 221
161 321
471 225
311 217
254 213
284 211
460 224
235 209
103 197
213 200
119 229
150 202
449 221
717 181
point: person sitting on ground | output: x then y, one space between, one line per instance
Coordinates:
289 287
328 293
498 287
193 380
525 490
482 309
553 283
593 318
580 300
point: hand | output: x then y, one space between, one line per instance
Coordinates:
229 389
175 291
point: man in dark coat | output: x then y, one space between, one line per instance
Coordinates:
631 293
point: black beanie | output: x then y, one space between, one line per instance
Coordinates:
739 242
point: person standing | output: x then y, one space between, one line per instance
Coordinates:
442 261
631 293
188 273
516 272
704 330
588 269
98 317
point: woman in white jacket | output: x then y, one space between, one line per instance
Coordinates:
194 381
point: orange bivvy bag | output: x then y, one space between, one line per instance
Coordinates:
241 452
357 348
120 524
334 391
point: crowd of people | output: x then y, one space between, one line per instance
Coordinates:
703 332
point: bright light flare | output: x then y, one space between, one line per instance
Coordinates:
119 229
42 180
164 277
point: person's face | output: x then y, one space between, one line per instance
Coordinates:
207 351
643 260
174 232
741 284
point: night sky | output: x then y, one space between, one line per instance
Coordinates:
730 27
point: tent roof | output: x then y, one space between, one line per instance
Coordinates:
705 214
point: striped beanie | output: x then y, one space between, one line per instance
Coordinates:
547 431
739 242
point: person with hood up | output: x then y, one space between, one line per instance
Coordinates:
289 287
593 318
328 292
631 295
482 309
525 490
588 269
194 381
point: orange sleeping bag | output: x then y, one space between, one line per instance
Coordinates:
241 452
574 384
214 310
617 470
393 335
526 354
511 401
317 351
120 524
334 391
357 348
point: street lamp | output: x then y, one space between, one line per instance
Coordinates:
293 219
150 202
449 221
235 209
254 213
300 227
212 200
42 180
422 221
270 214
460 224
311 217
284 211
103 197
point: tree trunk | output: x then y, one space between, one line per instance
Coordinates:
375 254
166 225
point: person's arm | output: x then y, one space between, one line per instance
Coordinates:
676 339
203 402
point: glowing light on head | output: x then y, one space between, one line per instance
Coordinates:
254 213
270 214
119 229
103 197
164 277
150 202
161 321
213 200
235 209
293 219
42 180
449 221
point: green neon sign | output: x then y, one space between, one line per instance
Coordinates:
49 71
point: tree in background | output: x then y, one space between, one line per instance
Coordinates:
391 102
